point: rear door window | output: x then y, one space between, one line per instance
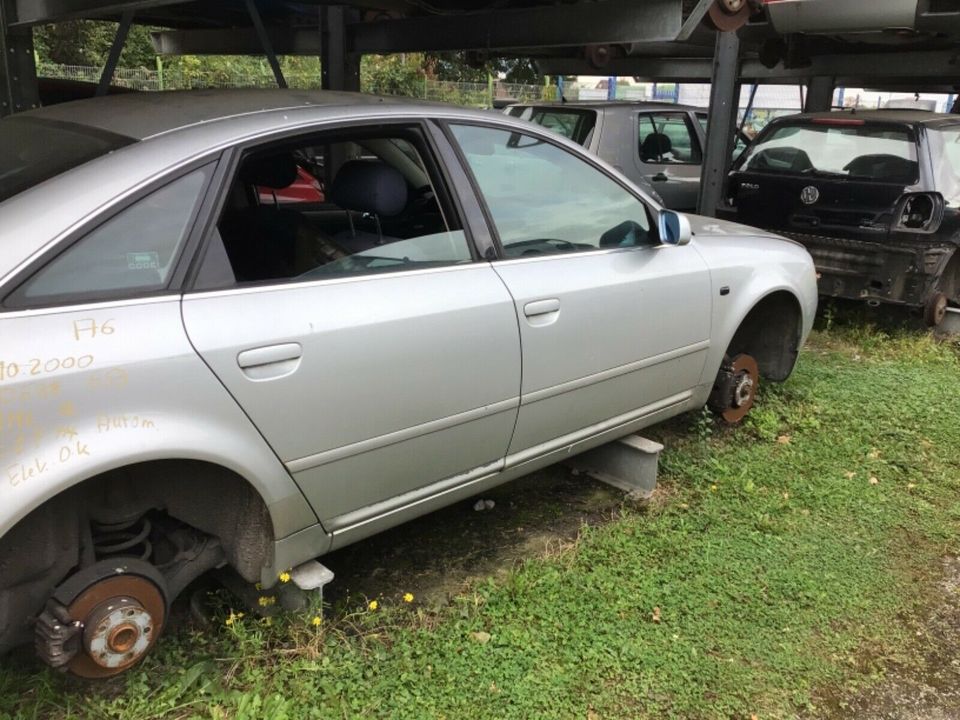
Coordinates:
133 252
842 147
668 139
573 124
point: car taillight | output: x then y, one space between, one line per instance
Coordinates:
839 121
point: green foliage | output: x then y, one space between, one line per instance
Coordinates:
392 74
87 42
779 562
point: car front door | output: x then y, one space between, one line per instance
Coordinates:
388 372
613 325
668 154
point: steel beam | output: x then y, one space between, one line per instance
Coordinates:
629 464
724 103
876 69
339 68
265 43
605 22
819 94
237 41
119 40
18 70
36 12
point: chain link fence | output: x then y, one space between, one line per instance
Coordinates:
481 95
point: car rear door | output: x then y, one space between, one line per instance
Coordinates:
377 385
668 154
613 325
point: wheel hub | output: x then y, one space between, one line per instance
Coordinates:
746 378
104 619
118 633
728 15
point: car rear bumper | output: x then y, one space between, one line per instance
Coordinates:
900 273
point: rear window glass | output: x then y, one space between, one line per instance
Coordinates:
34 150
872 151
574 125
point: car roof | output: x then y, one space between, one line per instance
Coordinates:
148 114
611 105
906 116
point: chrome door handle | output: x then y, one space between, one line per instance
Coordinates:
272 361
541 307
659 177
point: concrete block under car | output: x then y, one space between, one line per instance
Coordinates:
629 464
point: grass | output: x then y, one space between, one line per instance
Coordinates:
779 564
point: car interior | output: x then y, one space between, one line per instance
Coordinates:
379 193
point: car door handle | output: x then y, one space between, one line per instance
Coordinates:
539 308
272 361
660 177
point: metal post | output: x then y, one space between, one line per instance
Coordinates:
18 69
611 87
819 94
265 43
724 104
340 69
106 77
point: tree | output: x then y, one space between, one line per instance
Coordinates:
88 42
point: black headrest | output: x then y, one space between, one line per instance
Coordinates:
655 145
369 186
271 171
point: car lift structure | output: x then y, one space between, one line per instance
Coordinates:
910 45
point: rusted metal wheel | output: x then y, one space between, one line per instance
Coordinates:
728 15
746 379
935 310
116 609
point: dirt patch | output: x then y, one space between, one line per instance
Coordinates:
927 687
436 556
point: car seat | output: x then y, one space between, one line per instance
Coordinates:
655 146
370 187
267 242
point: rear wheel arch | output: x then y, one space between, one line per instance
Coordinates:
56 540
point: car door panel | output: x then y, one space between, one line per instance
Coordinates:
677 182
631 328
378 385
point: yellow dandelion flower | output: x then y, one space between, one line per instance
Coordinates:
373 605
408 597
258 586
284 577
317 621
266 600
233 617
713 488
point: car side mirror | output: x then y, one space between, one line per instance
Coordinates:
919 213
674 228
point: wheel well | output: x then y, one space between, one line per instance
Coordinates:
771 333
49 543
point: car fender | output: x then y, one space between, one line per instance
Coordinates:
98 388
745 269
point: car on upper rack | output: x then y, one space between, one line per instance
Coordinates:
658 145
195 376
873 195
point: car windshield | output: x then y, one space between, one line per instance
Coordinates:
574 124
841 148
33 150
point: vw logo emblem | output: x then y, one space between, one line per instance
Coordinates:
809 195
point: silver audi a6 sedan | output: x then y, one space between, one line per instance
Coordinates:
248 328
